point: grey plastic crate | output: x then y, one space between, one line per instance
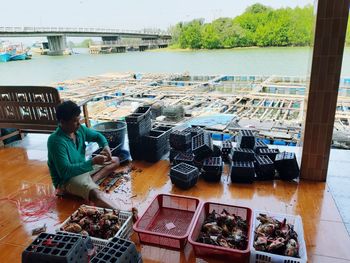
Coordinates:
118 251
56 248
87 239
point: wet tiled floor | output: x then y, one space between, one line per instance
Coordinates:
324 207
339 182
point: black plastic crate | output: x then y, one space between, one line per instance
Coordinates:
184 184
56 248
287 166
136 150
264 168
86 239
271 153
184 158
180 140
184 171
118 251
212 164
155 154
243 155
155 139
260 145
139 114
216 151
138 129
212 169
246 139
165 128
226 150
194 130
242 172
202 146
173 153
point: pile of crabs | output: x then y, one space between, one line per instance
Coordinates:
93 222
274 236
225 230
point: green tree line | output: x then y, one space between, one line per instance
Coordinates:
259 25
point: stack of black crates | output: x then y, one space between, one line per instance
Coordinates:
242 165
192 153
253 160
146 143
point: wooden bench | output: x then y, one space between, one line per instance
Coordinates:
31 109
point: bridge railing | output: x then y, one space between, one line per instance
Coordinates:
128 42
26 29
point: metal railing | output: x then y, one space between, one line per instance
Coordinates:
79 30
130 42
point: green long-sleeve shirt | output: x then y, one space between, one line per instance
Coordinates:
67 159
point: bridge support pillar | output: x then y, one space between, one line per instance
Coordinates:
57 45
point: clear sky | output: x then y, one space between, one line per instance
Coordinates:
137 14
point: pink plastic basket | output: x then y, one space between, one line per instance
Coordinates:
227 254
167 221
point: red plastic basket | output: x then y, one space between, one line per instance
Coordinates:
167 221
205 250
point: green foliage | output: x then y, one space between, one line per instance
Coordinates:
191 34
348 34
259 25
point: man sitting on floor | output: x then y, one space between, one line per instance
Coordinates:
69 170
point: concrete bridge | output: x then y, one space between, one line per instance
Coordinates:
57 36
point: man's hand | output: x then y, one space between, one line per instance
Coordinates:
107 152
99 159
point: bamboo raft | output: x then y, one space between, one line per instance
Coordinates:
272 105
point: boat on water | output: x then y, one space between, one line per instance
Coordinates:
19 56
10 52
41 48
5 56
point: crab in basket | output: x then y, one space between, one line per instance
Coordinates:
277 237
225 230
100 223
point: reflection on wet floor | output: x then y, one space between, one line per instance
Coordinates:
25 178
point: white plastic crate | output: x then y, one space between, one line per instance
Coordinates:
264 257
124 231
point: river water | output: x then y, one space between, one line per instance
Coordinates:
44 70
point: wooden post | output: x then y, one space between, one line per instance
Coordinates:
86 116
321 100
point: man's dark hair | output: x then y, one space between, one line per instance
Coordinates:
67 110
